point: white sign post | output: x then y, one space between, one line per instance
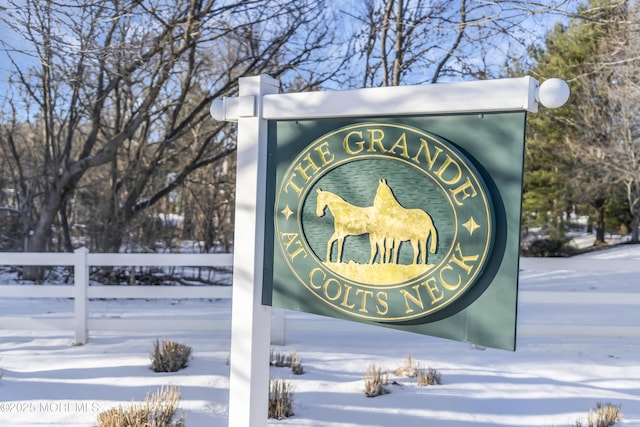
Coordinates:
250 320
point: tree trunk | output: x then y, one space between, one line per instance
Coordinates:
599 221
36 242
66 232
38 238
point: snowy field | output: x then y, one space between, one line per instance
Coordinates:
547 382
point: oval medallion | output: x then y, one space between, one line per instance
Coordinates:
384 222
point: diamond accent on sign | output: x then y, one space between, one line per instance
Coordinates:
286 212
471 226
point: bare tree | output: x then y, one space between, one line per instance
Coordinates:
119 92
419 41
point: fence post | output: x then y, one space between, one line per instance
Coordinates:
80 283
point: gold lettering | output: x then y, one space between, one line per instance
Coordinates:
382 306
461 261
457 175
432 287
292 239
375 138
431 160
310 164
402 144
447 285
346 297
298 251
290 184
359 144
325 155
417 299
365 294
313 285
326 289
289 237
465 194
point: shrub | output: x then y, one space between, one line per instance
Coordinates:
409 369
374 381
157 411
429 377
280 399
547 247
278 359
424 377
292 361
296 364
169 356
604 415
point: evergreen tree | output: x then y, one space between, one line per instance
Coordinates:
566 167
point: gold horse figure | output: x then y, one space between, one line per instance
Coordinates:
400 224
348 220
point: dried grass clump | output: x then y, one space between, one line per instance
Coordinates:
296 364
375 380
277 359
605 415
157 411
424 377
292 361
169 356
428 376
410 369
280 399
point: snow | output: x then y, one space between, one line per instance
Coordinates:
46 381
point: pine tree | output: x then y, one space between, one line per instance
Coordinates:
565 164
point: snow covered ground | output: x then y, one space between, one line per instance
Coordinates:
548 381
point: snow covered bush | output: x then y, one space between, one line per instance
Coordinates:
292 361
158 410
375 381
604 416
428 376
280 399
412 369
277 359
296 364
169 356
409 369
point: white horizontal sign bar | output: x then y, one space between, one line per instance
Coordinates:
516 94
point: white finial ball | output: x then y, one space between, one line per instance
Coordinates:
217 109
553 93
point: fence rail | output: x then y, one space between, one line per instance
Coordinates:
81 292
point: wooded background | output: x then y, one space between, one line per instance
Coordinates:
106 139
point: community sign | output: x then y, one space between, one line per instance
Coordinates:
405 222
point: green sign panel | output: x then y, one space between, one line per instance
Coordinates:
409 223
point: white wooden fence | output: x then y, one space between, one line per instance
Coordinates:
81 292
595 300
